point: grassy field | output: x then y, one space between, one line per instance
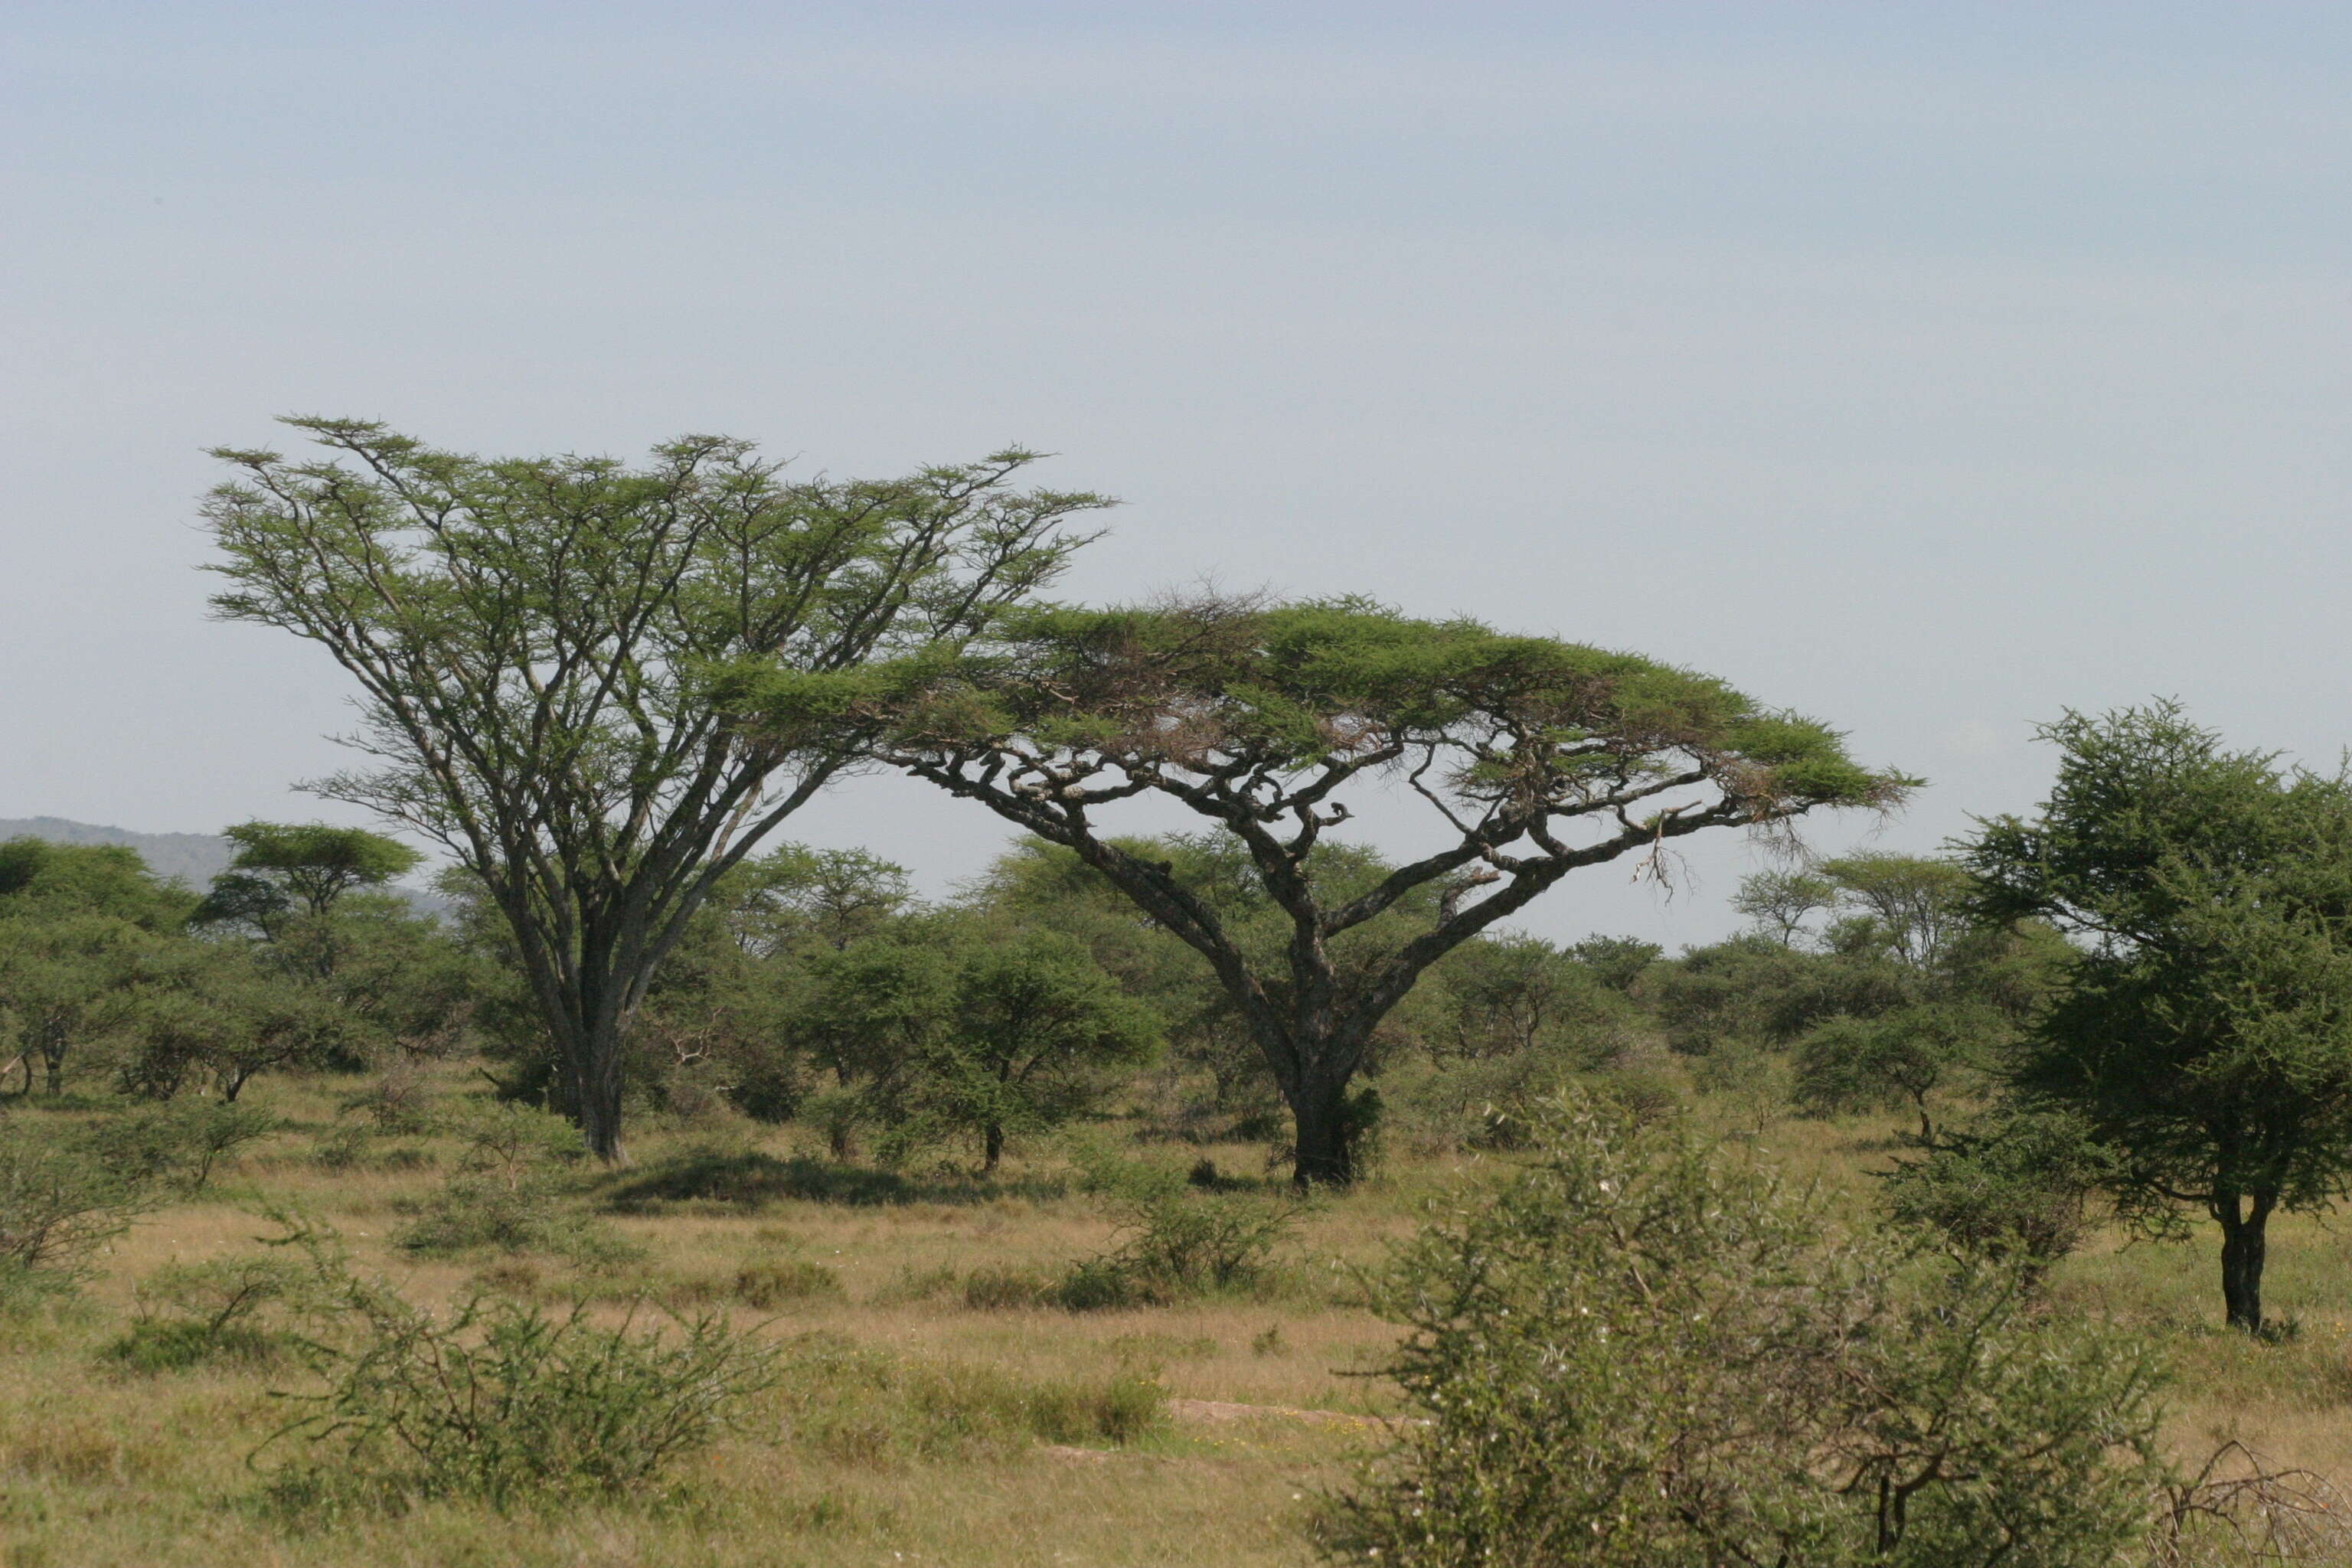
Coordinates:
920 1418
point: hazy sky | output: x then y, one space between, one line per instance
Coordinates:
1927 369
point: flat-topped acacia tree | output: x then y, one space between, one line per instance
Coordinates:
532 638
1534 756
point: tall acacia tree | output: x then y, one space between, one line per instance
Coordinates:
1536 757
2204 1030
532 638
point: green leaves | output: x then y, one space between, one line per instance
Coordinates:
1644 1350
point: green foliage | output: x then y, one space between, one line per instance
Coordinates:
1180 1240
1642 1351
60 1202
473 1212
2017 1186
47 881
959 1028
1896 1061
192 1314
538 643
312 862
1537 756
500 1402
179 1145
2204 1031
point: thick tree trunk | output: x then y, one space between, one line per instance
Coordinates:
1324 1155
2243 1223
596 1082
991 1139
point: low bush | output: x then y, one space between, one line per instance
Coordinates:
500 1402
476 1213
779 1282
179 1142
1181 1239
1643 1352
60 1204
2017 1185
194 1313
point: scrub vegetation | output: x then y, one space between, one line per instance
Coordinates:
1238 1194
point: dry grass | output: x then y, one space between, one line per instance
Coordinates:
99 1467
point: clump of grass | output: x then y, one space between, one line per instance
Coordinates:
778 1281
1182 1239
859 1406
994 1289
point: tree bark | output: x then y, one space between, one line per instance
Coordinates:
1323 1154
596 1081
992 1147
2244 1218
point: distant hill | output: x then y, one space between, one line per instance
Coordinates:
194 859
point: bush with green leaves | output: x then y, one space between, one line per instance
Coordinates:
218 1310
179 1142
1180 1240
473 1212
2017 1185
503 1403
60 1204
1645 1351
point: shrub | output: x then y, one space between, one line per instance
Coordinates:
58 1205
215 1311
476 1213
180 1141
399 1101
2017 1186
1644 1352
502 1402
1180 1240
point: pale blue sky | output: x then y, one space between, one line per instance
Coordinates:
1927 369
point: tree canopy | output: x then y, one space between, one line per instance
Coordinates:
1535 757
533 636
2204 1032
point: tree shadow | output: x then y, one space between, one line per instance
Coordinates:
748 1179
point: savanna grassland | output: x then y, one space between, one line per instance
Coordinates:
930 1403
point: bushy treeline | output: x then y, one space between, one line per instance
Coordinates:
814 987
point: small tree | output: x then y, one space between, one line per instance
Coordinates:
317 864
2204 1031
1899 1060
533 636
1537 757
1782 901
953 1030
1035 1022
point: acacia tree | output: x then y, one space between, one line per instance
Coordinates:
1536 757
532 638
2204 1033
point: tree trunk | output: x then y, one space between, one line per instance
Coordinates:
596 1080
2242 1242
1323 1154
991 1139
